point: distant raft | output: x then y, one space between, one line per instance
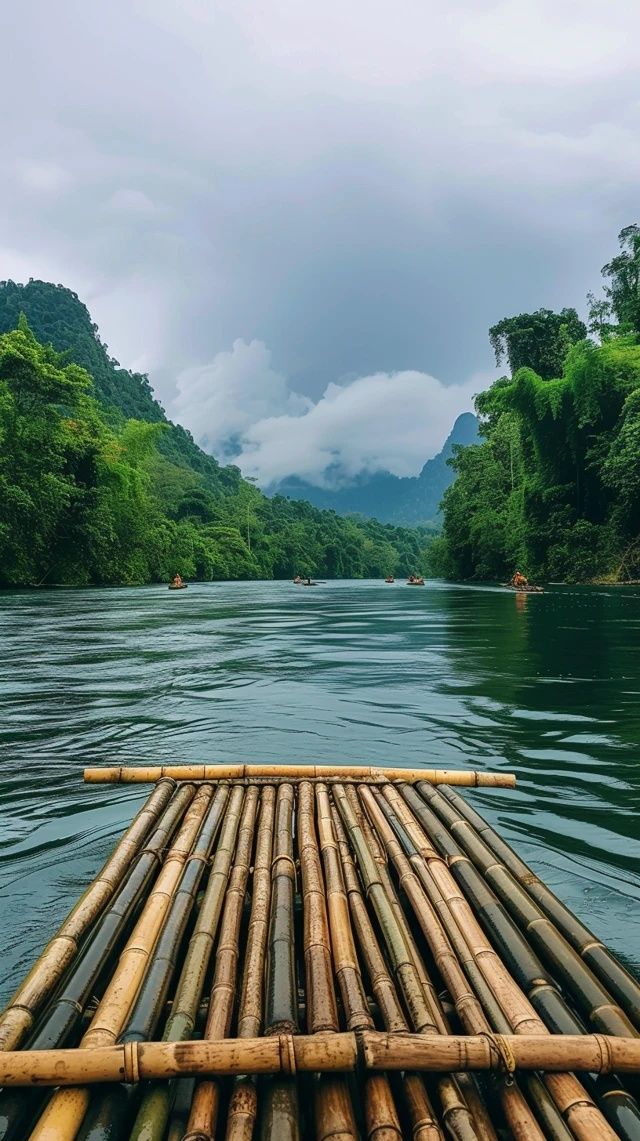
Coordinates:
178 585
299 942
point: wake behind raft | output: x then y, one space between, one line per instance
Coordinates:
186 958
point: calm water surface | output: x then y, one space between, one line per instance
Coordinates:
547 686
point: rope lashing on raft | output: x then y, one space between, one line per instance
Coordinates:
506 1060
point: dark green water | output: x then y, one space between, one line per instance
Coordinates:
548 686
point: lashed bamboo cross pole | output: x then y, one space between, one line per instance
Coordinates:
364 774
345 1052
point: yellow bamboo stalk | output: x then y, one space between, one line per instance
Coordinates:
18 1018
424 1124
280 1111
362 773
345 958
522 1123
381 1118
333 1109
465 1113
572 1100
434 1020
243 1107
344 1052
422 1003
205 1104
64 1113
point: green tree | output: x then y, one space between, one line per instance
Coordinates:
539 340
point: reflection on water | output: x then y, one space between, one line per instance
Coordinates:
545 685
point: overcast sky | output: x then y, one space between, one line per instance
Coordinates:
301 219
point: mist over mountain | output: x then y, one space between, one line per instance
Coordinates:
390 498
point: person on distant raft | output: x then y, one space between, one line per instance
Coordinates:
177 580
519 579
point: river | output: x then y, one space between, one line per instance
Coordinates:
547 686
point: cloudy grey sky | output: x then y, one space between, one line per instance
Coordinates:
301 219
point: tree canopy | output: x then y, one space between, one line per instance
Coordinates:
554 487
89 495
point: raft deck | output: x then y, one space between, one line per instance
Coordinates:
319 952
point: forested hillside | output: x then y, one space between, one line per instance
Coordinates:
554 488
97 487
411 501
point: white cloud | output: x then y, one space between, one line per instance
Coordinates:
220 402
240 408
43 177
360 186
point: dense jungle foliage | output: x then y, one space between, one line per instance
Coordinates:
554 488
97 487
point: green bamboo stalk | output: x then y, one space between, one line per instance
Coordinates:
281 1116
206 1099
18 1018
446 955
432 1006
602 961
60 1023
580 1112
377 1089
114 1106
593 1000
333 1109
402 963
243 1107
153 1114
65 1113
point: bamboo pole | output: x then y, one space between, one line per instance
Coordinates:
64 1114
201 1125
435 1021
425 1015
346 886
344 1052
521 1121
381 1118
60 1022
115 1106
593 1000
545 1108
153 1113
280 1116
361 773
620 1108
18 1018
579 1111
602 961
333 1109
464 1113
243 1107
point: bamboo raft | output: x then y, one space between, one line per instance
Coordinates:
317 952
